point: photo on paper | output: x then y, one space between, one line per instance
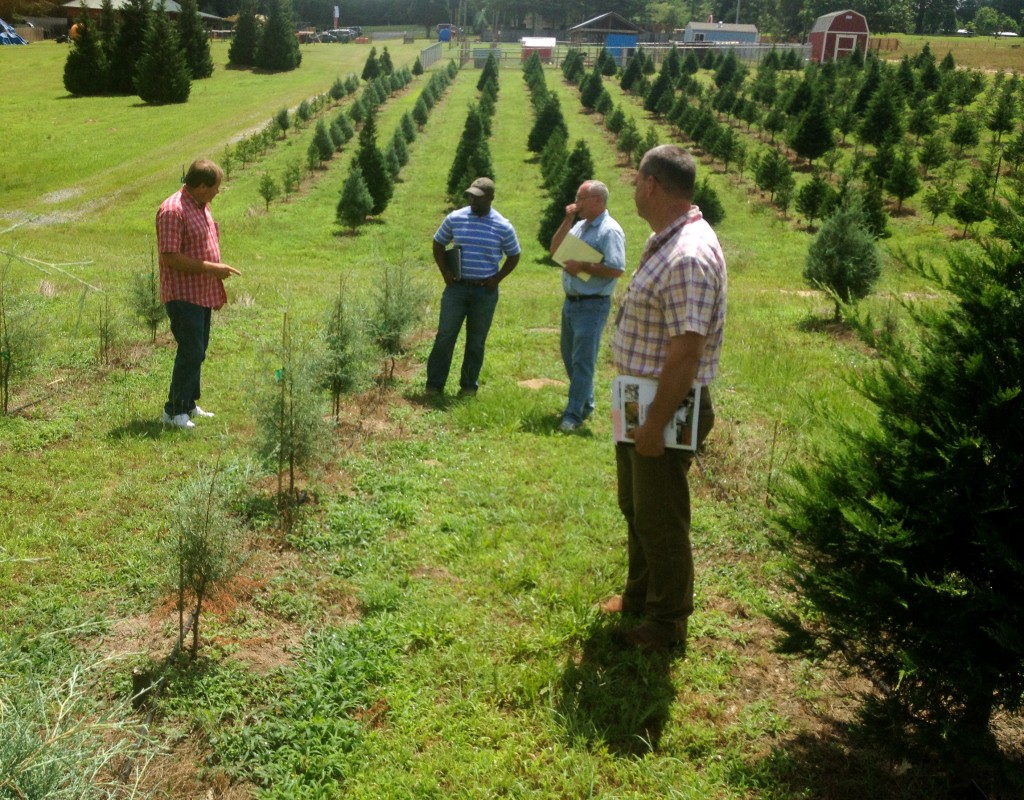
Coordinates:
631 400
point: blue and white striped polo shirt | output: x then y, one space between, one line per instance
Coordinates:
483 239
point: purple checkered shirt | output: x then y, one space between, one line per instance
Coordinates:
679 287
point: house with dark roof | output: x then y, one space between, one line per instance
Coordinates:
611 30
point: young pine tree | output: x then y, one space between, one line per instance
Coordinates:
844 259
371 162
356 202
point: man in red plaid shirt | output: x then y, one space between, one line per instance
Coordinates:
191 283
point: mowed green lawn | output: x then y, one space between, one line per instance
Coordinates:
429 628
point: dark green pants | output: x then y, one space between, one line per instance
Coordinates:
654 497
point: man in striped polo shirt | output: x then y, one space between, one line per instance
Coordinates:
484 236
670 328
191 283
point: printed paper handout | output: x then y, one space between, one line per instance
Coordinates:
632 397
573 248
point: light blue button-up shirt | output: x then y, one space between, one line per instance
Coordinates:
605 235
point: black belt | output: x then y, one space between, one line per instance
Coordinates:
572 298
472 282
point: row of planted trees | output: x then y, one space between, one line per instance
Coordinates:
906 121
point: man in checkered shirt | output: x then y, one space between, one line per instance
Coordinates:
669 328
191 283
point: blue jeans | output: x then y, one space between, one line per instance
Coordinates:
190 325
460 303
582 325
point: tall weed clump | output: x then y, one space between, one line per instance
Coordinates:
20 337
57 741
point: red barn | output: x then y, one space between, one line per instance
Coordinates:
834 36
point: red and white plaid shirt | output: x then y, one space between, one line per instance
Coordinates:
184 226
679 287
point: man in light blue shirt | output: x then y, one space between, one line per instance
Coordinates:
484 236
588 294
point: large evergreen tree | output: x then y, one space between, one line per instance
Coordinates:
469 144
194 40
902 180
905 535
129 45
162 74
85 70
242 52
278 48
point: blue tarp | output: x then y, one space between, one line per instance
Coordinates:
8 34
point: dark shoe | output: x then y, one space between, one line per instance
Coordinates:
430 391
649 638
471 392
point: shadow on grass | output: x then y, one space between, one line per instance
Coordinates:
615 696
875 757
142 429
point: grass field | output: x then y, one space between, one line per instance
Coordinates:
428 629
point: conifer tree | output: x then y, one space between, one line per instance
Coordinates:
633 72
108 32
400 147
553 160
548 119
922 120
904 534
773 174
417 67
129 45
815 199
590 89
242 52
488 73
356 202
972 205
813 136
386 67
194 40
965 133
706 199
663 87
162 74
278 48
323 142
85 70
371 69
420 112
371 162
578 168
903 181
883 119
469 143
843 258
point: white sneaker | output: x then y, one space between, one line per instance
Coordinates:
178 421
198 412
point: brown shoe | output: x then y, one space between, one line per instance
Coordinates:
613 605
